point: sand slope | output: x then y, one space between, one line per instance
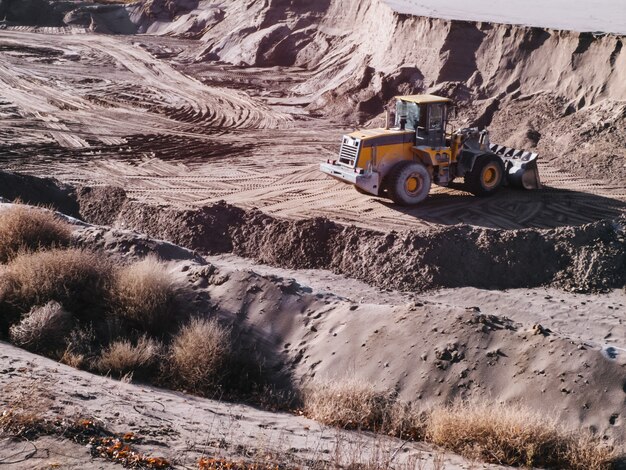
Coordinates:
162 420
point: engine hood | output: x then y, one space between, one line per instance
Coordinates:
377 137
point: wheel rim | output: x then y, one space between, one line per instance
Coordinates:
491 176
413 184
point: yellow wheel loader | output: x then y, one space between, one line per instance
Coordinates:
403 162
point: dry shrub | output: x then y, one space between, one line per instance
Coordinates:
199 353
43 329
123 357
405 420
24 228
72 359
145 295
586 452
78 279
82 349
349 403
511 435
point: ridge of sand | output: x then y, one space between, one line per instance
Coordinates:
428 350
602 16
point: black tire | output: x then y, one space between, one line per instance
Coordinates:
408 183
486 177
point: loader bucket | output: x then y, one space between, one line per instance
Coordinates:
520 165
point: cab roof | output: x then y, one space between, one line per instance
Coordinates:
424 99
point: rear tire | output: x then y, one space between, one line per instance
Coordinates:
486 177
408 183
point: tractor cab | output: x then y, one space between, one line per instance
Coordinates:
427 115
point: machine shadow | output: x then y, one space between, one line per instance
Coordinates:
513 209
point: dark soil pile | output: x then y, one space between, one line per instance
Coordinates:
589 257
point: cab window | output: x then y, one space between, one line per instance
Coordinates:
435 117
408 111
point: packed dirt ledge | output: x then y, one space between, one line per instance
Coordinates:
587 258
180 142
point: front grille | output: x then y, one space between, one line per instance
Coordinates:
349 152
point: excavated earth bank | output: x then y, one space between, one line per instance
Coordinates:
425 352
561 92
585 258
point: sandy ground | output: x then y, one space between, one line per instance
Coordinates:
596 319
180 427
312 324
602 16
123 113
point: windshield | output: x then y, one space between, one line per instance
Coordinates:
408 111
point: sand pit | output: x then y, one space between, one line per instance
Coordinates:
197 130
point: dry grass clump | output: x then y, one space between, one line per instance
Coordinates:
123 357
43 329
25 228
511 435
350 403
78 279
145 294
406 421
199 353
82 348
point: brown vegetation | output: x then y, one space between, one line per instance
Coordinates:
198 353
353 403
350 403
24 228
512 435
78 279
122 357
43 329
144 294
495 433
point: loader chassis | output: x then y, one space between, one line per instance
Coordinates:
402 162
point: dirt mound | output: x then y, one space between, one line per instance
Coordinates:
428 354
40 191
31 12
589 257
423 352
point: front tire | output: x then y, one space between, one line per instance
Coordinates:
409 183
486 177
